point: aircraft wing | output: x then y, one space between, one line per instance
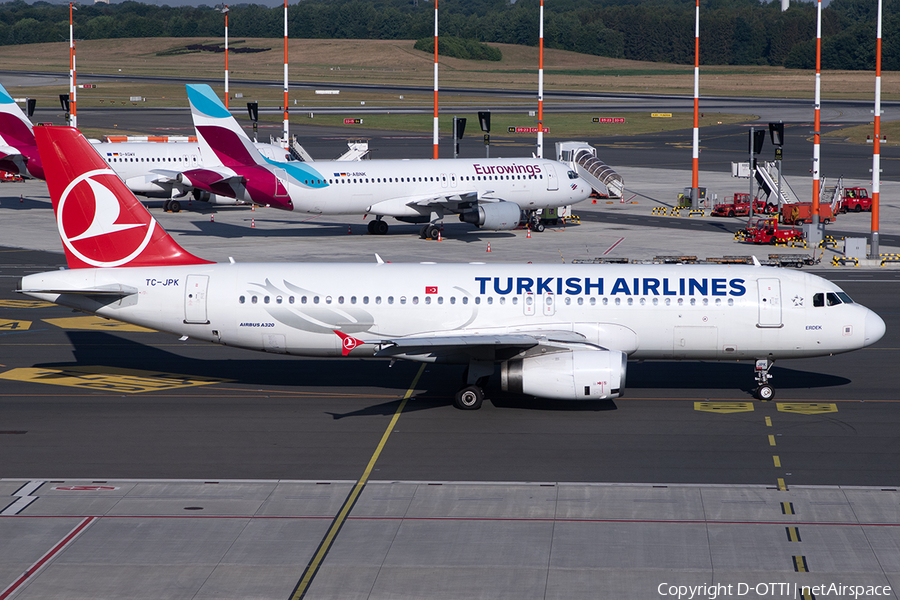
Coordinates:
475 343
169 175
447 200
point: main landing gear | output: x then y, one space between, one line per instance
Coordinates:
471 395
172 206
377 227
429 231
764 390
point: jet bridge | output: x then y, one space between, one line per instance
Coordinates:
583 159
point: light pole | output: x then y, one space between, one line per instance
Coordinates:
876 148
73 113
223 8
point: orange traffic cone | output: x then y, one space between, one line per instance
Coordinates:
212 217
252 222
528 235
252 206
21 198
489 247
440 239
349 230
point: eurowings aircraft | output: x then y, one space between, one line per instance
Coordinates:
488 193
148 168
561 332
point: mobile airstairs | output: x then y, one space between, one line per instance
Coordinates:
583 158
767 178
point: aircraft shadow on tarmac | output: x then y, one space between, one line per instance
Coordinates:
106 349
17 203
720 376
320 229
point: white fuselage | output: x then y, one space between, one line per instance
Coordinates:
413 188
148 168
647 311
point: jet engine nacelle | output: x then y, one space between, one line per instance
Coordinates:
204 196
575 375
498 215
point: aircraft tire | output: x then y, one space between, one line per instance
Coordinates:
379 227
764 392
371 227
432 231
175 206
469 397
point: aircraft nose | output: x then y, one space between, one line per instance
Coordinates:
874 328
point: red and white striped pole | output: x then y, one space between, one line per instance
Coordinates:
695 156
286 131
73 104
225 10
816 134
435 79
876 149
540 135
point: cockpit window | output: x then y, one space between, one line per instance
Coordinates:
830 299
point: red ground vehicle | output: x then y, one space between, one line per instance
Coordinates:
740 207
4 176
765 230
855 199
801 212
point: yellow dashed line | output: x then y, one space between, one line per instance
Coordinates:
800 565
771 440
768 421
724 407
782 486
807 408
777 461
793 534
787 508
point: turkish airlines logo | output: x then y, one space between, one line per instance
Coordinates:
347 343
91 224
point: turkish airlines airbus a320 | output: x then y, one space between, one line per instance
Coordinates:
560 331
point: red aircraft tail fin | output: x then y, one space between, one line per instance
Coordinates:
100 221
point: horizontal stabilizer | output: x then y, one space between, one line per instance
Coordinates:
117 289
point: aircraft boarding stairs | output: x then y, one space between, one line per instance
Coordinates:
356 150
767 178
583 158
832 195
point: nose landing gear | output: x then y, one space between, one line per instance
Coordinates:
764 390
